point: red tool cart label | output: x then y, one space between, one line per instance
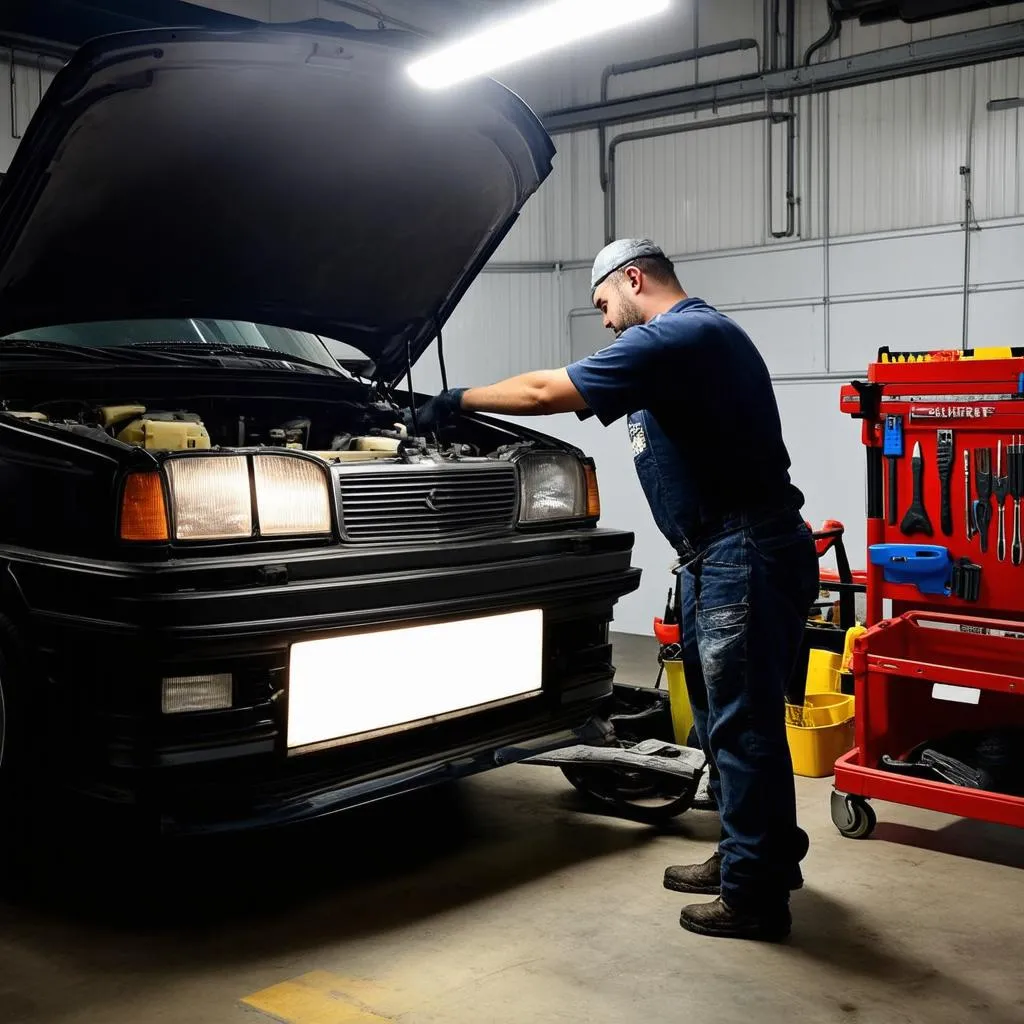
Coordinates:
951 412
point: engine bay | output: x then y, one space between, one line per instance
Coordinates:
341 432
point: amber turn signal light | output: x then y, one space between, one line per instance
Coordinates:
593 493
143 509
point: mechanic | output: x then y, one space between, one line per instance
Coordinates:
708 448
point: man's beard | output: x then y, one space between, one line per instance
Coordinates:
629 315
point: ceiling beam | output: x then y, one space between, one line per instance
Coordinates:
941 53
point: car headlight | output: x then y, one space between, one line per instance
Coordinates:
291 496
554 487
211 498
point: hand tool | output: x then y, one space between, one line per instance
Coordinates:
1001 485
916 520
925 566
983 482
892 450
929 567
944 460
968 517
1015 461
965 582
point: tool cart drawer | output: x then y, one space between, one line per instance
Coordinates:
922 679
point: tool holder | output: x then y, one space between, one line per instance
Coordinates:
950 654
982 403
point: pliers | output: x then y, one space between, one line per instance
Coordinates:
983 485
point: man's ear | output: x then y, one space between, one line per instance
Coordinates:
635 278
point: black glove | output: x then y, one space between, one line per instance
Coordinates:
436 412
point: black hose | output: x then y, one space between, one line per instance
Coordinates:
835 26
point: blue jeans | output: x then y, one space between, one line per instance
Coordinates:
745 600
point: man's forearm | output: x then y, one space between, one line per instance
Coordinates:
531 394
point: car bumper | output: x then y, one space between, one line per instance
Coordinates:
104 634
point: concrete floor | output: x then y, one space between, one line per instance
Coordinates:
503 901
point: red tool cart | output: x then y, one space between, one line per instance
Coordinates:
943 658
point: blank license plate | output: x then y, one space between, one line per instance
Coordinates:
366 683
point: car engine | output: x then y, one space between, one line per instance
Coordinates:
350 433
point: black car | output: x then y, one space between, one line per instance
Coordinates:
235 588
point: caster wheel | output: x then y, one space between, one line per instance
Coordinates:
853 816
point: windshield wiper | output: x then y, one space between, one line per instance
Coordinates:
86 353
26 347
205 351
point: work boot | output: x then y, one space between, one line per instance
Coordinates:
706 879
700 879
720 921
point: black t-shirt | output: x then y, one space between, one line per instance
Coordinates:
702 418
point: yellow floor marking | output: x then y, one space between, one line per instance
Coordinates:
318 998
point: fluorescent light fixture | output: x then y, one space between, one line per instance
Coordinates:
539 30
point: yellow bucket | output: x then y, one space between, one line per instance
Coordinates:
679 701
823 669
820 732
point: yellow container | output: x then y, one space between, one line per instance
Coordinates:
820 709
819 733
679 701
851 635
823 669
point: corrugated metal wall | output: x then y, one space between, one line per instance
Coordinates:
21 88
895 154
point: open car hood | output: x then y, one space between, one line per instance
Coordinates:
289 179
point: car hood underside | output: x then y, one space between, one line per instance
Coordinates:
288 179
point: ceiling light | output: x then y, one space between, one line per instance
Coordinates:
539 30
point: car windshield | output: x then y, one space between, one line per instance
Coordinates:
113 333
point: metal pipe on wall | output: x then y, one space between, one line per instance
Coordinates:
791 199
371 10
791 138
56 54
679 129
827 227
13 94
966 175
835 27
695 53
939 53
770 36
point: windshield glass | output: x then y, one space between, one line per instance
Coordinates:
112 333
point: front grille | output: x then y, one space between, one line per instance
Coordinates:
395 504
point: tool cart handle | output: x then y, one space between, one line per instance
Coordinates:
975 653
1015 627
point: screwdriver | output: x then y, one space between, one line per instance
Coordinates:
1001 487
1015 462
983 481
